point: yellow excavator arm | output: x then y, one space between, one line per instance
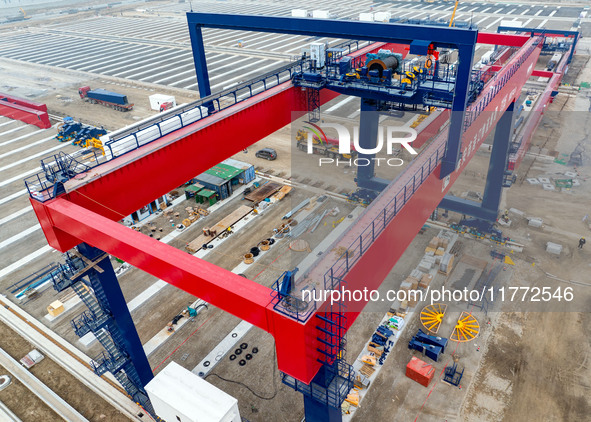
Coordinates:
453 15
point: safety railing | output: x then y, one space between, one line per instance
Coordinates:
291 305
132 137
499 81
332 395
58 168
104 362
356 249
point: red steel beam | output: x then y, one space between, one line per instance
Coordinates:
542 73
23 102
430 127
86 213
242 297
510 40
24 114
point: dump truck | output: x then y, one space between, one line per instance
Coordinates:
328 147
107 98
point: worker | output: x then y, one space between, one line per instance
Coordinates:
582 241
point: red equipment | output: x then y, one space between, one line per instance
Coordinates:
24 110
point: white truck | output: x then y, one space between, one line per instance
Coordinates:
32 358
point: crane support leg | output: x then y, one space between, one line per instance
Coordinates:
493 189
319 410
120 312
200 61
451 157
498 160
368 140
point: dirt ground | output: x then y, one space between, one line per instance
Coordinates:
16 394
535 363
57 379
59 90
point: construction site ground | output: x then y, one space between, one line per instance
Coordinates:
28 407
523 366
499 366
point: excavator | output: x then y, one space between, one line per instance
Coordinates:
21 17
453 15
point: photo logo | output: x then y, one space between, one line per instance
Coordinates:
346 148
318 133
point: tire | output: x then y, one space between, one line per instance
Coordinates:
255 350
248 356
242 362
232 357
238 351
244 346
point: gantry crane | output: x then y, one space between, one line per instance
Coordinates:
309 338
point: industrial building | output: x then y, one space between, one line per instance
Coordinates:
320 212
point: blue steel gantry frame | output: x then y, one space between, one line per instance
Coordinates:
419 38
575 35
489 208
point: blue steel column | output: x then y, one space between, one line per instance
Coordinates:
493 189
200 60
120 312
316 411
369 121
489 208
458 110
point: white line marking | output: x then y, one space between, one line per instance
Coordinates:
30 157
14 151
340 104
494 22
23 137
13 196
12 130
24 261
19 236
15 214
